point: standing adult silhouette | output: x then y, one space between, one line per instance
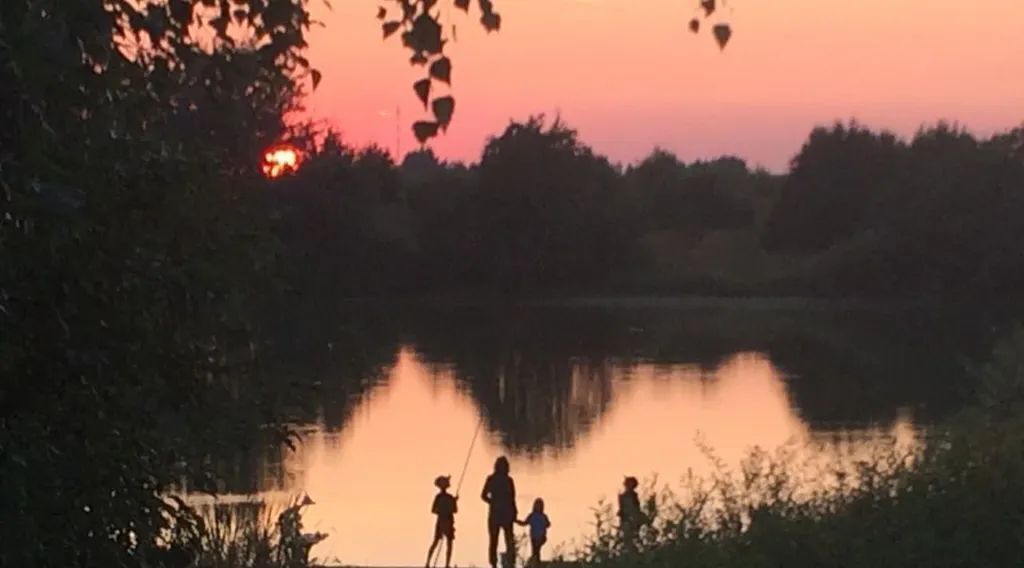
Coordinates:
500 493
631 517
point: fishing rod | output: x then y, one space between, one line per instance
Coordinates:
465 465
476 433
469 454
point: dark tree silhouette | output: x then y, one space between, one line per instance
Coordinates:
839 174
551 222
129 259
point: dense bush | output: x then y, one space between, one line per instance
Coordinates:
129 258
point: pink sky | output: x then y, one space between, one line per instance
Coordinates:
629 76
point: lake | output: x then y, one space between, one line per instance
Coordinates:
578 395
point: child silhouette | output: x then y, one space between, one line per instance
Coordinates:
445 506
539 524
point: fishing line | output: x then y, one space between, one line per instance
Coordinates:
469 454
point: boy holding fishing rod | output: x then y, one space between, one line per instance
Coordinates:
445 506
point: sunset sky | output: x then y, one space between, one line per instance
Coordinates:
629 75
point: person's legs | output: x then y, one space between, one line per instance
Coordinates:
535 544
448 551
492 543
629 537
433 547
510 545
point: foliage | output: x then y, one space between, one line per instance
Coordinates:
831 183
933 215
252 534
425 36
552 222
130 258
860 213
696 198
422 33
496 226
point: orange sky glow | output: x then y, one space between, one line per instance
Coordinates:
629 76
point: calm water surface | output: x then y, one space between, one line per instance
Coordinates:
577 399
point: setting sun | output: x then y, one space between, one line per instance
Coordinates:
280 160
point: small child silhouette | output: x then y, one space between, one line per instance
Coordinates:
539 524
445 506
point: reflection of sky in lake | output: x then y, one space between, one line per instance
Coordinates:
372 480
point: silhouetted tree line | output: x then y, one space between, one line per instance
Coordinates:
540 212
939 214
859 213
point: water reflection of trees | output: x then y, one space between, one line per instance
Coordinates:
844 367
851 368
327 358
542 377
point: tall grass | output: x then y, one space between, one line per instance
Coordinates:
239 535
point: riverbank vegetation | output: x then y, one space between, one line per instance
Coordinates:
953 502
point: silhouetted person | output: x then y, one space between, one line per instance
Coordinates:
630 515
539 524
500 493
295 543
445 506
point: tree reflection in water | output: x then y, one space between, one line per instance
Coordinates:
578 397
